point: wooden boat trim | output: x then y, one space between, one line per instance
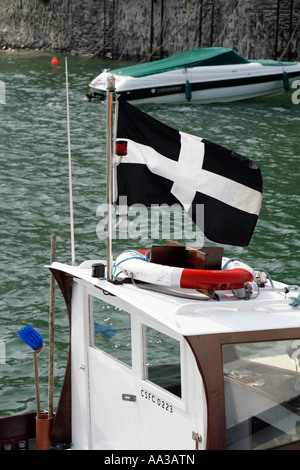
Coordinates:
62 426
16 428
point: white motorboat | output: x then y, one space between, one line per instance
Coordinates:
209 75
155 363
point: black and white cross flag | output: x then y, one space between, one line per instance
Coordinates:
167 166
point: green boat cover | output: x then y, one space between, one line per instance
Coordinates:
273 62
188 59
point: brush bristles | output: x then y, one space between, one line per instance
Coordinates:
31 337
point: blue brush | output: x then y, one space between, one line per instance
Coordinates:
31 337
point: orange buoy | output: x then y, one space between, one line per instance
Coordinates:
54 61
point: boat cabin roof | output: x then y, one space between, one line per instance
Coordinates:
188 312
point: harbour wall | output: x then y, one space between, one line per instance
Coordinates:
152 29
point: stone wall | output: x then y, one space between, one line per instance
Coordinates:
152 29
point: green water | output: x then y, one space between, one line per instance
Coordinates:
35 195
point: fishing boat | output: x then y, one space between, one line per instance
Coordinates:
172 346
212 75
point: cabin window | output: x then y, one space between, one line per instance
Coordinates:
110 330
262 394
162 360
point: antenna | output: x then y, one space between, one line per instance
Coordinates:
70 168
110 87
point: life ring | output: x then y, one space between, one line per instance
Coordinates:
136 264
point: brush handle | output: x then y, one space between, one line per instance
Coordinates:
51 330
37 385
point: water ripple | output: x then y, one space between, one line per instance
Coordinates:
35 195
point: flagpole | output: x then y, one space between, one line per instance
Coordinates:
110 88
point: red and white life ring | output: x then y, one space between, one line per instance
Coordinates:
136 264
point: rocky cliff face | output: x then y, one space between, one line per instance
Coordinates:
48 24
143 29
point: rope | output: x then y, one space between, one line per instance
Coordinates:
126 45
230 260
197 295
230 18
289 42
140 257
242 28
147 58
254 269
296 301
174 33
105 44
266 272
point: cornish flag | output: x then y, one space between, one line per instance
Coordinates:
167 166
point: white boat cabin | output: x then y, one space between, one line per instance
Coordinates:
177 370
